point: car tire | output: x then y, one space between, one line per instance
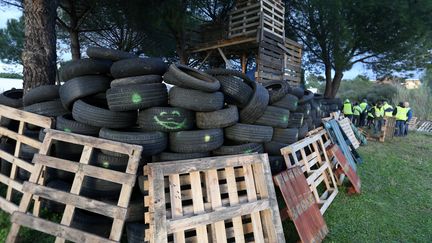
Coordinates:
84 67
166 119
143 79
249 133
196 141
274 117
195 100
277 89
137 67
41 94
256 106
247 148
108 54
190 78
217 119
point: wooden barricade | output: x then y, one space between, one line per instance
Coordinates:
425 126
412 123
301 205
310 154
344 168
345 125
215 199
25 119
72 199
388 129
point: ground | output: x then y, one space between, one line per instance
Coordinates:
395 204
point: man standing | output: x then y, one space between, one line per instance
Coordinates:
347 109
378 117
388 109
400 113
409 116
364 112
356 114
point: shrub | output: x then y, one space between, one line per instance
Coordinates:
420 100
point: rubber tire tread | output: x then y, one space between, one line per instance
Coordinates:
84 67
196 141
277 164
235 90
99 117
256 106
41 94
12 98
276 94
273 148
195 100
275 117
249 133
296 120
217 119
289 102
247 148
287 135
171 156
66 123
137 67
52 108
190 78
134 97
146 119
152 142
143 79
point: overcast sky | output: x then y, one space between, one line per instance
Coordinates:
7 12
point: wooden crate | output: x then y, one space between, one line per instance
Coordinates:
301 205
425 126
215 199
25 119
412 124
345 125
293 52
72 199
344 168
388 129
310 154
270 58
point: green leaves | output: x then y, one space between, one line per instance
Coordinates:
12 41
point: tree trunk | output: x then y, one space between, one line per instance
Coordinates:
39 55
336 83
75 45
329 84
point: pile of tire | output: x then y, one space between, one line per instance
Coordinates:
118 96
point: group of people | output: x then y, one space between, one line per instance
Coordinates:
372 114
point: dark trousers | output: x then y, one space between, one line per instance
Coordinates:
400 128
356 120
350 117
406 129
363 119
378 124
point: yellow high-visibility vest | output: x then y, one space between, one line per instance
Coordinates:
347 109
379 112
357 110
363 106
388 113
401 113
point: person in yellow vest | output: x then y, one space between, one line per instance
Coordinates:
409 117
357 110
378 117
370 115
347 109
364 113
401 115
388 109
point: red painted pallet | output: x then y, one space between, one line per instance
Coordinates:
301 205
344 168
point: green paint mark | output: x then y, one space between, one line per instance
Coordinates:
177 113
136 98
67 130
105 164
285 118
248 151
207 138
169 124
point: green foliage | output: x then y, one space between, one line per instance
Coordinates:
386 35
420 100
395 203
12 41
314 81
11 75
360 87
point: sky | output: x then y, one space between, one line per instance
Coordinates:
8 12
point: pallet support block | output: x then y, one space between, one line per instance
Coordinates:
215 199
301 205
310 155
9 178
72 199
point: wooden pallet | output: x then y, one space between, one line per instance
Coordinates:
301 205
215 199
425 126
412 123
345 125
310 154
388 129
344 168
14 186
72 199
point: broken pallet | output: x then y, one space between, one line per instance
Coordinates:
73 199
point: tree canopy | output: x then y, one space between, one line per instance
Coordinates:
386 35
12 41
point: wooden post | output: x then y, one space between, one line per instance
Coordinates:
244 63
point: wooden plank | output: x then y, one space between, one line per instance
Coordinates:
19 137
218 228
234 200
54 229
28 117
251 192
198 204
75 200
176 204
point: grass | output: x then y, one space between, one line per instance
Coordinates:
395 204
396 200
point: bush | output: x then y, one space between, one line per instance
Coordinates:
420 100
11 75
